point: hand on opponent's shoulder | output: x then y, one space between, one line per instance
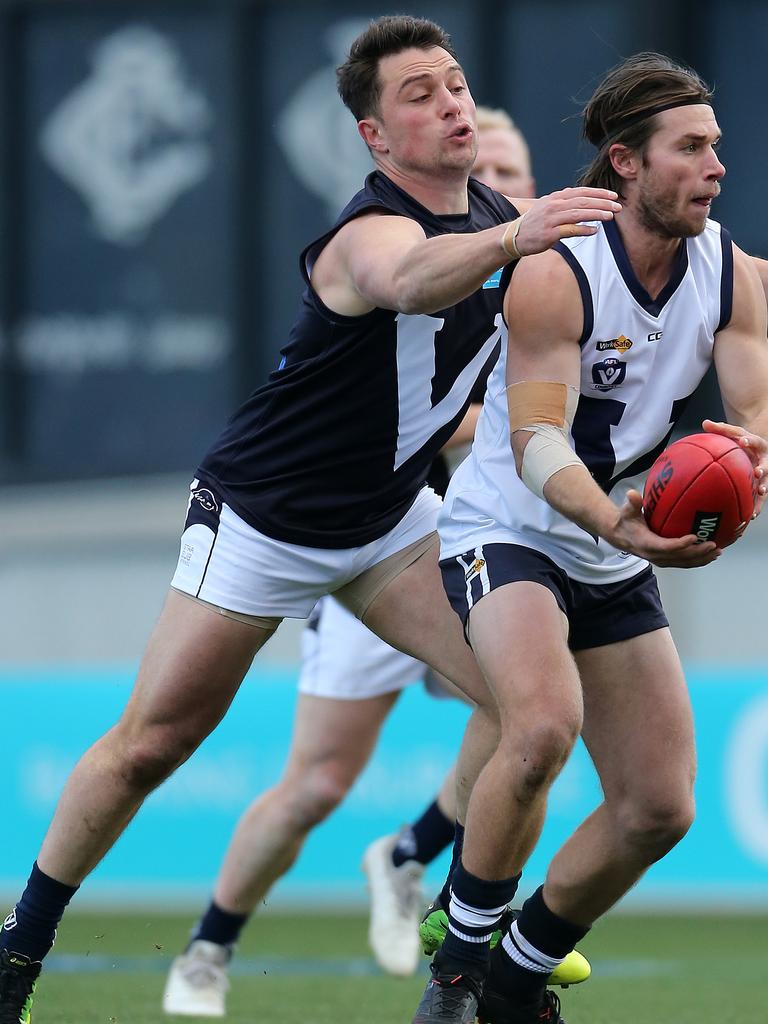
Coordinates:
562 215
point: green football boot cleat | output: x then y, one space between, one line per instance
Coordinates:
434 927
18 977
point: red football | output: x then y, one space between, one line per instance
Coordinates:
703 484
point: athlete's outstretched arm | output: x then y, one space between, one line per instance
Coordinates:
544 312
741 361
387 261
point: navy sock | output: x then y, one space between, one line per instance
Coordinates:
535 944
475 910
425 838
458 846
219 926
30 928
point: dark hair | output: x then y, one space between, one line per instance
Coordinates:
645 82
358 77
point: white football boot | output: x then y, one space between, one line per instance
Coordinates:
197 982
396 906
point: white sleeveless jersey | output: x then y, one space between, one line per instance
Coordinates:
641 360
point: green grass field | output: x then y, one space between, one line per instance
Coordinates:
109 969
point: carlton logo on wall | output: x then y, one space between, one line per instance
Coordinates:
318 135
132 137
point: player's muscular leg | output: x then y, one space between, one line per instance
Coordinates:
193 665
639 730
332 742
519 635
413 614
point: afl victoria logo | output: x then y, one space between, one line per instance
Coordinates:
206 499
608 373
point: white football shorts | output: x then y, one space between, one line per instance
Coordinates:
225 561
343 659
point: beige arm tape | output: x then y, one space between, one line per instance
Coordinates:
546 409
509 239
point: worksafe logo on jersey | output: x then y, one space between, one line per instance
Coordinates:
206 499
620 344
474 569
608 374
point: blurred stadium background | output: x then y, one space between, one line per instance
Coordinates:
162 164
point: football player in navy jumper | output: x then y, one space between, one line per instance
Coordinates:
349 682
317 484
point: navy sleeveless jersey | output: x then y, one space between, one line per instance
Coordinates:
331 451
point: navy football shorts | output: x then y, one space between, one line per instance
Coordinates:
598 614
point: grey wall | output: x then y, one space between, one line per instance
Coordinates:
162 165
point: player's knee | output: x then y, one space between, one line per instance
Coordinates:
541 754
315 795
148 759
654 827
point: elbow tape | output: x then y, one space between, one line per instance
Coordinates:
546 409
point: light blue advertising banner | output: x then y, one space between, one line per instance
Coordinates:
173 848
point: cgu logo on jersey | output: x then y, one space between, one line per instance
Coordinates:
620 344
608 374
474 569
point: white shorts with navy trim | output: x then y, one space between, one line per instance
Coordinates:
225 561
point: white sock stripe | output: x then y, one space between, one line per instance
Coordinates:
469 938
488 912
548 963
474 921
514 954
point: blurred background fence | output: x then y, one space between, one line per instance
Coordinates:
162 165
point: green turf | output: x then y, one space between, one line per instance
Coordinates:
648 970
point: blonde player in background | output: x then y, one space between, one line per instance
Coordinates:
503 159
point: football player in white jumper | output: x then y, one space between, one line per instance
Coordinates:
545 552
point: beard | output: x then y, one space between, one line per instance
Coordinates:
659 214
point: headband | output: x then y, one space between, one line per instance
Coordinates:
643 114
